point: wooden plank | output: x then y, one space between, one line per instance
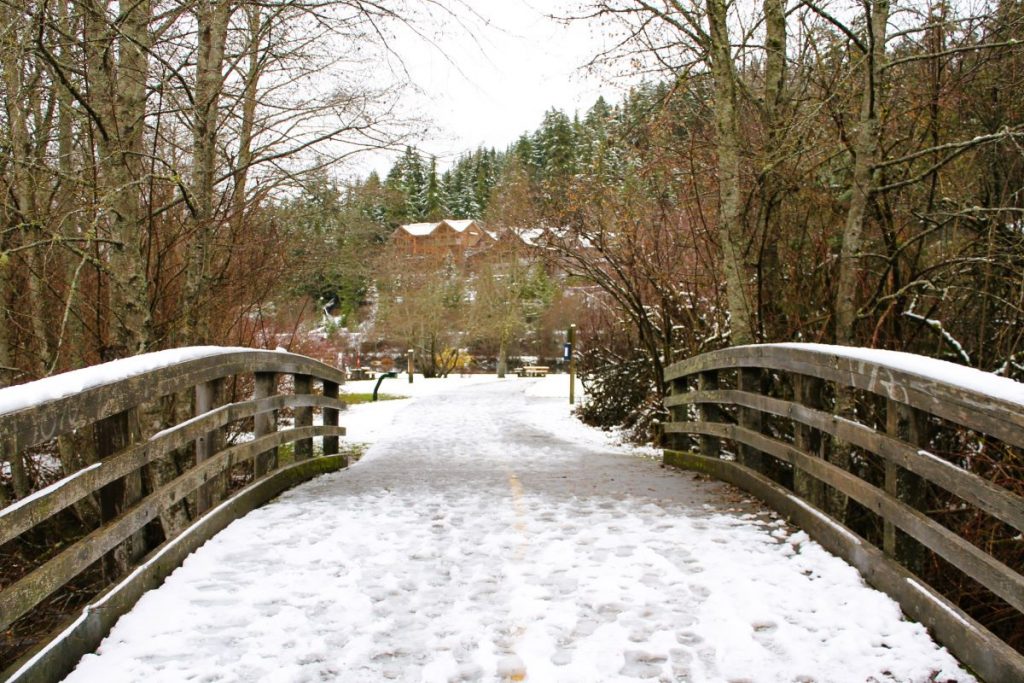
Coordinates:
24 514
303 417
709 412
47 420
330 417
972 561
55 659
114 434
675 409
974 410
993 499
265 422
20 597
907 425
208 397
969 641
808 391
751 380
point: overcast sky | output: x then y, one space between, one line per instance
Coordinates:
489 78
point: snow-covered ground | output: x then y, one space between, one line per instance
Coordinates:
489 536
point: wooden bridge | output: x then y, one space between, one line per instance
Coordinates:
863 450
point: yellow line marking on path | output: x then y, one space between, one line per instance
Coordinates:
520 554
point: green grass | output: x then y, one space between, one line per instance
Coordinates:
354 451
354 399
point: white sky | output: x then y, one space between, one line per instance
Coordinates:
492 78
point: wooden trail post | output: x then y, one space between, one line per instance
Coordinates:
409 355
571 357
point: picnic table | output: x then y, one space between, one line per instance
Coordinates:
361 373
533 371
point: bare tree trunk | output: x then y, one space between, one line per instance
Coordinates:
21 98
213 17
502 358
730 205
865 153
119 100
770 184
245 134
7 370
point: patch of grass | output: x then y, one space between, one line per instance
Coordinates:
354 399
354 451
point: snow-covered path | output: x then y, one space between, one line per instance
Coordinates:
488 536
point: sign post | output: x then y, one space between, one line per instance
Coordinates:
569 355
409 355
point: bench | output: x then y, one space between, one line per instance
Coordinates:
356 374
533 371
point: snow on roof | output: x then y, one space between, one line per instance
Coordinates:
420 229
65 384
961 376
424 229
459 226
531 235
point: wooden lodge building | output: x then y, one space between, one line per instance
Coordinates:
447 236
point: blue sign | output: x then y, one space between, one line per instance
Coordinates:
566 351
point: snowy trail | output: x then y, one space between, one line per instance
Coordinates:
488 536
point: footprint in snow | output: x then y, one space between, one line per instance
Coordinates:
641 664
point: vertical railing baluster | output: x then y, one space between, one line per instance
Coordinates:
672 440
908 425
709 412
750 380
265 423
113 434
807 391
209 396
331 415
303 418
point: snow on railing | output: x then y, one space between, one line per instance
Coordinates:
844 441
149 487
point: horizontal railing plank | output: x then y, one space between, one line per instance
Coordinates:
20 597
987 655
968 558
973 409
24 514
39 423
54 660
987 496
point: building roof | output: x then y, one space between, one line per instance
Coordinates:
458 226
419 229
424 229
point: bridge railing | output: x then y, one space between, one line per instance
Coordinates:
142 509
871 453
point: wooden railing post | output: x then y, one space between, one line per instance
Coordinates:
265 423
709 412
673 440
209 396
807 391
112 435
303 418
750 380
909 425
330 418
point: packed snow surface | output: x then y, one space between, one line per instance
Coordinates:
489 536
